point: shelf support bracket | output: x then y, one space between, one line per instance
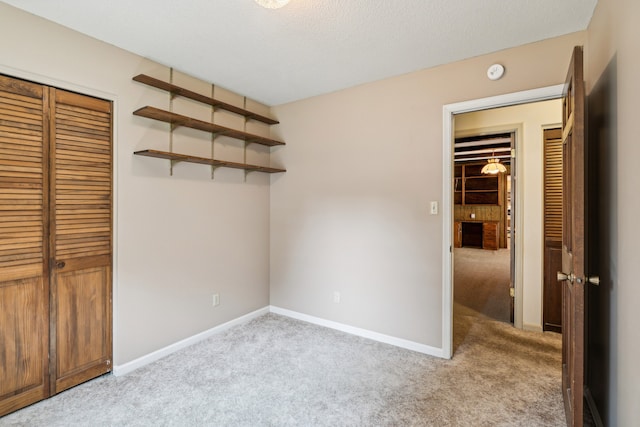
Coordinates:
246 143
213 135
213 170
171 125
246 171
213 167
173 163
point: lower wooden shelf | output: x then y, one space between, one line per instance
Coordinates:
206 161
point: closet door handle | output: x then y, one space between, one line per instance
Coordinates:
60 264
564 276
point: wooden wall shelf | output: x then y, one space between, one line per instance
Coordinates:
186 93
177 120
180 120
205 161
471 187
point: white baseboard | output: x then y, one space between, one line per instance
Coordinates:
131 366
387 339
531 327
159 354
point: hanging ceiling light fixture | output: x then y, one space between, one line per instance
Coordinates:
493 166
272 4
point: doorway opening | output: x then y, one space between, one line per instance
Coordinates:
482 193
523 316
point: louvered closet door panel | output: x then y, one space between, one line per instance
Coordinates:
553 185
552 303
24 293
81 238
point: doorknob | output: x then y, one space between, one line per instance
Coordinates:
563 276
594 280
60 264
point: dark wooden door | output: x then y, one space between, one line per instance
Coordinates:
80 239
552 293
24 288
572 276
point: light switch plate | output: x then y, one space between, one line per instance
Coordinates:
434 208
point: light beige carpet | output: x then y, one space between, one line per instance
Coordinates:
481 281
275 371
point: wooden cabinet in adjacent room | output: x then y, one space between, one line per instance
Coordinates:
55 240
476 234
490 235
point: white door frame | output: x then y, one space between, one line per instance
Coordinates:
448 112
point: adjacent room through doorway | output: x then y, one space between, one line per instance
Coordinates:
491 279
482 210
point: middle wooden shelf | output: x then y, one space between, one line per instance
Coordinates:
180 120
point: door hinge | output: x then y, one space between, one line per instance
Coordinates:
512 292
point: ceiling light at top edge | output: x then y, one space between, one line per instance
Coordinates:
272 4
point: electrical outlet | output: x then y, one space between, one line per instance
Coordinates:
216 300
336 297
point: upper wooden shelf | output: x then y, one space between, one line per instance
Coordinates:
177 90
206 161
180 120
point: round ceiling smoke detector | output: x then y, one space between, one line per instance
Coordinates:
272 4
495 72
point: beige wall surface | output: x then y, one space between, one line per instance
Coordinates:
179 239
352 213
613 36
531 119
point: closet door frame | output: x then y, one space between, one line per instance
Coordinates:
46 390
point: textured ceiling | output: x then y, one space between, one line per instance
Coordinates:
312 47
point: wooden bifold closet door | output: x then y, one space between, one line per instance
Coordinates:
55 240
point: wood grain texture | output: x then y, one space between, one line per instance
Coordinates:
206 161
552 302
24 291
553 184
177 90
490 235
552 290
21 355
81 239
82 305
573 240
180 120
55 212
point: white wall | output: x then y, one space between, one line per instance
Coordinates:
179 238
532 118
